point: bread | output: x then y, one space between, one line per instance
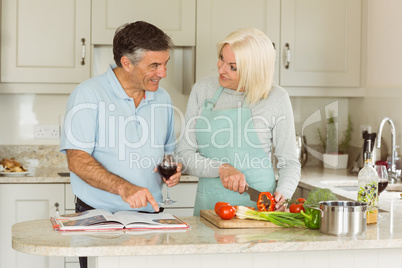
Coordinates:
11 165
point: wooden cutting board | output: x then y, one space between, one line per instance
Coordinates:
234 223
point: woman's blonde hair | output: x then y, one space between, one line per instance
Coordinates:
255 60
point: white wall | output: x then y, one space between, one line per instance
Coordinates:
382 74
383 69
21 112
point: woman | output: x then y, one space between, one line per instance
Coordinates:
234 121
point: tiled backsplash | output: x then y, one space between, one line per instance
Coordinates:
35 156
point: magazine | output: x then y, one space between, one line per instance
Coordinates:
100 219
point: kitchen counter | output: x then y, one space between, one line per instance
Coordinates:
38 237
55 176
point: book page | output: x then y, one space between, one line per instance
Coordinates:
87 218
132 219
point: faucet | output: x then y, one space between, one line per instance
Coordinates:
392 170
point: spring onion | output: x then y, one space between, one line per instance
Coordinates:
283 219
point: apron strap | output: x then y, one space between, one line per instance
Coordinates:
210 103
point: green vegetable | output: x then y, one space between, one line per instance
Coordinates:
312 218
317 195
283 219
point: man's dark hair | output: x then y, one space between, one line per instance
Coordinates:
134 39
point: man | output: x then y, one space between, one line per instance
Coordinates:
118 126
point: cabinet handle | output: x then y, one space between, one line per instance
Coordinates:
274 45
287 56
83 51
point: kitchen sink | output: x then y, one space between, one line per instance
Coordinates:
347 188
347 185
351 185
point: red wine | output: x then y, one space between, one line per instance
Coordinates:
167 171
382 185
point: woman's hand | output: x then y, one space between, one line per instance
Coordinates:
232 178
280 202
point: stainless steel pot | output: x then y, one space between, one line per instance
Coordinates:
343 218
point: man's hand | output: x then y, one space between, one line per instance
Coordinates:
138 197
93 173
232 178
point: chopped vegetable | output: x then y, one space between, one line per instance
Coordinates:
283 219
312 218
261 204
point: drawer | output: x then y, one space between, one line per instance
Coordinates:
180 212
183 193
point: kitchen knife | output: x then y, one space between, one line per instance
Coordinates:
255 194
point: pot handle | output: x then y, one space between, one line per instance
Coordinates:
314 207
317 208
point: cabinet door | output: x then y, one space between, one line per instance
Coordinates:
322 41
41 41
184 193
25 202
175 17
218 18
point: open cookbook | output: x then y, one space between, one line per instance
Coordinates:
102 220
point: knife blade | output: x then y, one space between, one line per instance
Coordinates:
255 195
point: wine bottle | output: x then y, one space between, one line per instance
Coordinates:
367 188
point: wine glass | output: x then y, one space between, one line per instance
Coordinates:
166 169
382 178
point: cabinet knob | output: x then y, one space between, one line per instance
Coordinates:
83 51
287 56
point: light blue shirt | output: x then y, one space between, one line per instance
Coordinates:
102 120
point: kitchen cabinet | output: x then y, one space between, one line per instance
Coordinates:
175 17
25 202
317 41
45 41
217 18
320 43
184 193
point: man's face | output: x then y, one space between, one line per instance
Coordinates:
149 71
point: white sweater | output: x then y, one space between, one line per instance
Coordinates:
278 126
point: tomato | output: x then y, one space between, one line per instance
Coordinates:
226 212
218 204
301 200
296 208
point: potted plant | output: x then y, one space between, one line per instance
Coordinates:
336 153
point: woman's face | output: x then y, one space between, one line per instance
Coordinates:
227 68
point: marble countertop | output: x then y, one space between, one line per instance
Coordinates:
38 237
52 176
